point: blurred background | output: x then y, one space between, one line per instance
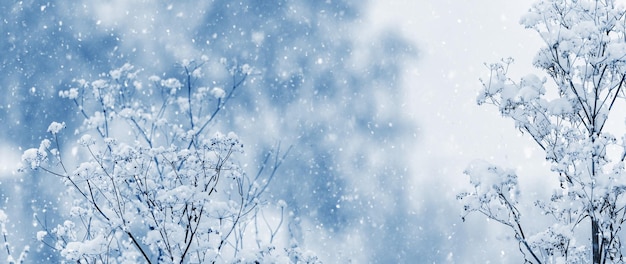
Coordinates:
377 99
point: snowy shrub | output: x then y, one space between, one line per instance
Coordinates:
149 182
585 60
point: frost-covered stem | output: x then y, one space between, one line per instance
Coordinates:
518 226
595 231
153 128
136 243
193 234
93 201
6 241
273 231
277 162
66 174
580 101
56 142
104 133
221 103
596 247
596 93
189 96
240 213
113 184
142 132
239 238
619 88
256 230
80 106
525 243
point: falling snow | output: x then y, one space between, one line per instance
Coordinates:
368 107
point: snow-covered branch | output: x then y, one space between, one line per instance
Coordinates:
584 58
149 183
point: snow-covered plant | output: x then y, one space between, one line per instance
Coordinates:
4 219
146 180
585 59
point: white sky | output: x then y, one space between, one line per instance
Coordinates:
455 38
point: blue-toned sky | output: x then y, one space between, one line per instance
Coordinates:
376 97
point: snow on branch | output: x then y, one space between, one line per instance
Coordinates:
565 113
165 189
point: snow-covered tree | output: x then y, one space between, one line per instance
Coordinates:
571 118
147 181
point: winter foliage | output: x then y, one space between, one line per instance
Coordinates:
151 183
570 116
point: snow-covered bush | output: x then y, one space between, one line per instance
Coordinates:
585 58
148 182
